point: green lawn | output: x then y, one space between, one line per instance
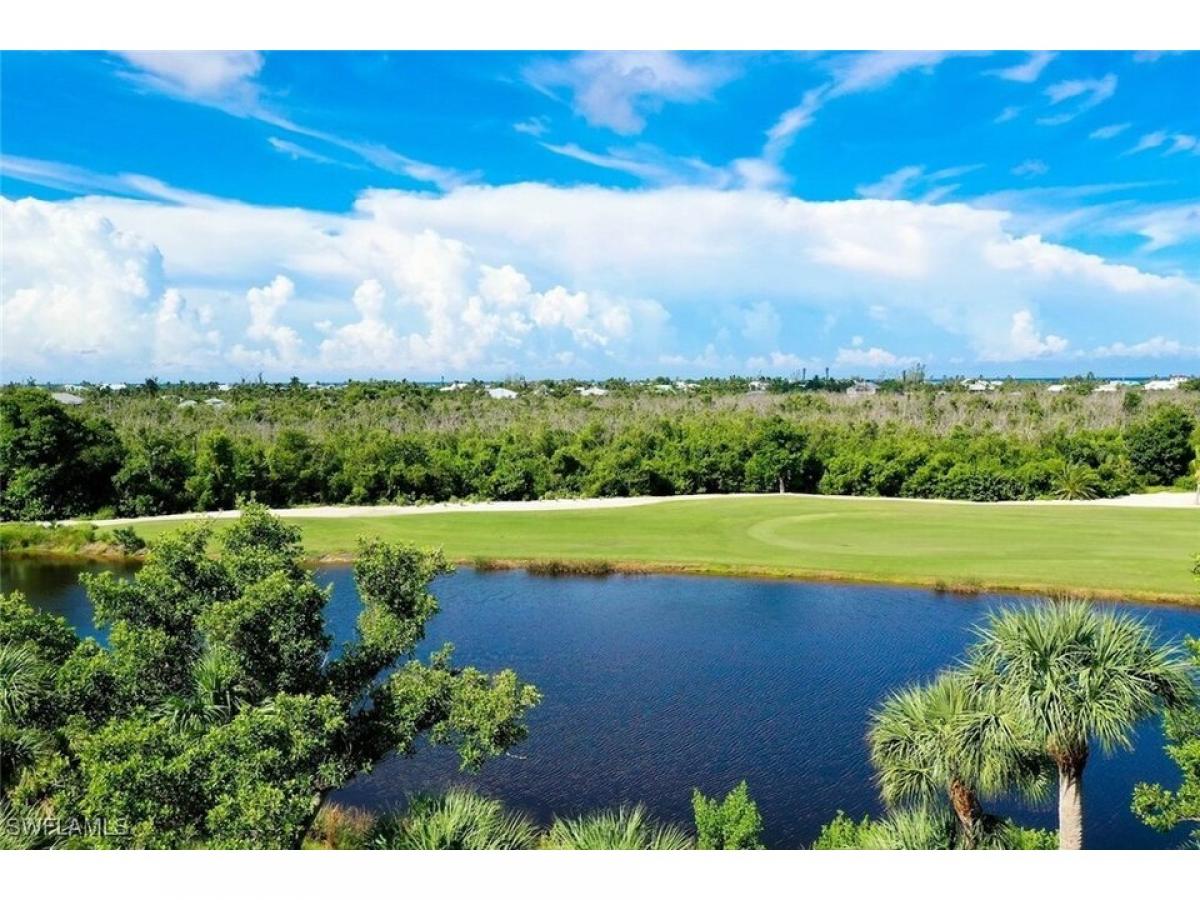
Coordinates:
1100 550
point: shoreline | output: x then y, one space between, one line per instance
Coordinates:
601 568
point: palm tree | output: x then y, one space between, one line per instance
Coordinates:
1077 676
1075 481
626 828
458 820
946 739
22 680
216 694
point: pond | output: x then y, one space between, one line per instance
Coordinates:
655 685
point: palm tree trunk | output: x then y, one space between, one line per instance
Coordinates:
970 814
1070 800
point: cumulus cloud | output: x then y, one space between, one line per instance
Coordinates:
275 346
1023 341
871 357
618 90
521 277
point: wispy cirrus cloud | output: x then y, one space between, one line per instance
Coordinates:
849 74
1108 132
1089 93
1028 71
228 81
914 182
618 91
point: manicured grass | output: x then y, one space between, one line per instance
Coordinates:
1102 551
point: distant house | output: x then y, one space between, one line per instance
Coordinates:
1110 387
979 386
117 386
1056 388
686 385
67 399
501 393
224 387
665 388
758 387
1164 384
215 402
456 386
591 391
862 389
186 404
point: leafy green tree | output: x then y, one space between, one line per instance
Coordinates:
730 824
1077 676
1160 443
1161 807
948 741
625 828
215 716
53 463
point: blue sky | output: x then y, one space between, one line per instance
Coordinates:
447 214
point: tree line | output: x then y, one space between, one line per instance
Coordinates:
141 456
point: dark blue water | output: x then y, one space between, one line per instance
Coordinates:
656 685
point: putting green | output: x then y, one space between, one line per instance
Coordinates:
1096 550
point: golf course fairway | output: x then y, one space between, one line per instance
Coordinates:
1103 552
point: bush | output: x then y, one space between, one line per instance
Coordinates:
128 540
1160 444
730 824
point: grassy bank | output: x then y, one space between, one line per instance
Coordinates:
1093 551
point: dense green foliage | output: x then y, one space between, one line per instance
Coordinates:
143 453
216 715
926 828
53 464
456 820
730 824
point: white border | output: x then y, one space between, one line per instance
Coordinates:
601 24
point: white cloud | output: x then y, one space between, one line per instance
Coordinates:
850 73
1090 92
228 81
297 152
510 278
1181 143
1008 114
871 357
534 126
761 323
1151 348
77 290
1022 342
279 345
203 75
900 183
1028 71
1150 141
779 362
618 90
1030 168
892 185
1108 131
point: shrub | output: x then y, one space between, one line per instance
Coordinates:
1160 444
730 824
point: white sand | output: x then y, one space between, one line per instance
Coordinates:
1163 500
